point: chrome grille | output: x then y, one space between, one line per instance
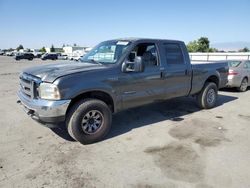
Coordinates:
28 84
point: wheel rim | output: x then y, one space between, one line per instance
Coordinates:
92 121
244 84
211 96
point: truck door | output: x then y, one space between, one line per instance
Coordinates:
138 88
177 71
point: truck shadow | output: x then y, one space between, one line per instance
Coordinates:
127 120
172 110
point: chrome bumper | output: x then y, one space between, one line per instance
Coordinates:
44 111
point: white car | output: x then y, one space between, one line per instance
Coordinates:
62 57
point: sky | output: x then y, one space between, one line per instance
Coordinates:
87 22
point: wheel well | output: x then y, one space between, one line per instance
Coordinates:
245 77
213 79
94 95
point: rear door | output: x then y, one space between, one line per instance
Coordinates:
177 69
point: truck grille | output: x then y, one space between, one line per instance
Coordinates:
29 84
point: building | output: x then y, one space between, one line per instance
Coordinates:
69 50
57 50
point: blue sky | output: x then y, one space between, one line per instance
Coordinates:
87 22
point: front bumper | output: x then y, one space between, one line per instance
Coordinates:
44 111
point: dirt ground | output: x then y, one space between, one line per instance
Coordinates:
170 144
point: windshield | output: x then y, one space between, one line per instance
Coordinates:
106 52
234 63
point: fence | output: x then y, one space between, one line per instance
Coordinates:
219 56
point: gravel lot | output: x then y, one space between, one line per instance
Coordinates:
171 144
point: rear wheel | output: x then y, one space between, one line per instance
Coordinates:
208 95
89 120
243 85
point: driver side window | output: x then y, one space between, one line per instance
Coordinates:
146 52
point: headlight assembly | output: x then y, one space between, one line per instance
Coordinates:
48 91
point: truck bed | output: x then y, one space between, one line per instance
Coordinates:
203 69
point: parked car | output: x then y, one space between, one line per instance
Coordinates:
114 76
20 56
239 74
10 53
51 56
37 54
1 52
62 57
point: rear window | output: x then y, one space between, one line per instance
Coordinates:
234 63
173 54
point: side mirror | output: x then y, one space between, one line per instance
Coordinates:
136 66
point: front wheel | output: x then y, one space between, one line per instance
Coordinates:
89 120
207 97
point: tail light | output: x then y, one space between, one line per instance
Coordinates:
232 72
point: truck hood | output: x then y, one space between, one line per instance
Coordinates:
49 73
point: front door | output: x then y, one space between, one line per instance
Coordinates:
138 88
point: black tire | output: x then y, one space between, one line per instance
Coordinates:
243 85
207 97
77 115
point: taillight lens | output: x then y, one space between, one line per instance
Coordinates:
232 72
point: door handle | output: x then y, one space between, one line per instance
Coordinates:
129 92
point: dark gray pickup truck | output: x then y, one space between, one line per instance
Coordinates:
113 76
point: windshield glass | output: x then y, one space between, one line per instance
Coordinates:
234 63
106 52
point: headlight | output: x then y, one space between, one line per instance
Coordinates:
48 91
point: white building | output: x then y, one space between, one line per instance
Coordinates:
69 50
56 49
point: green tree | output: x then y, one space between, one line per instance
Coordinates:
203 44
213 50
200 45
192 46
43 50
52 49
246 49
19 47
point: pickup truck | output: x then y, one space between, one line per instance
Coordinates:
116 75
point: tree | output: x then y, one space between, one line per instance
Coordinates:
43 50
52 49
203 44
200 45
192 46
246 49
74 44
19 47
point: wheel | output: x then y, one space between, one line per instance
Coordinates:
243 85
88 121
207 97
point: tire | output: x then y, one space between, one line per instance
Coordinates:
207 97
243 85
83 115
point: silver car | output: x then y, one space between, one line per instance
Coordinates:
239 74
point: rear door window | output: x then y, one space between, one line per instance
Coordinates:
174 55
